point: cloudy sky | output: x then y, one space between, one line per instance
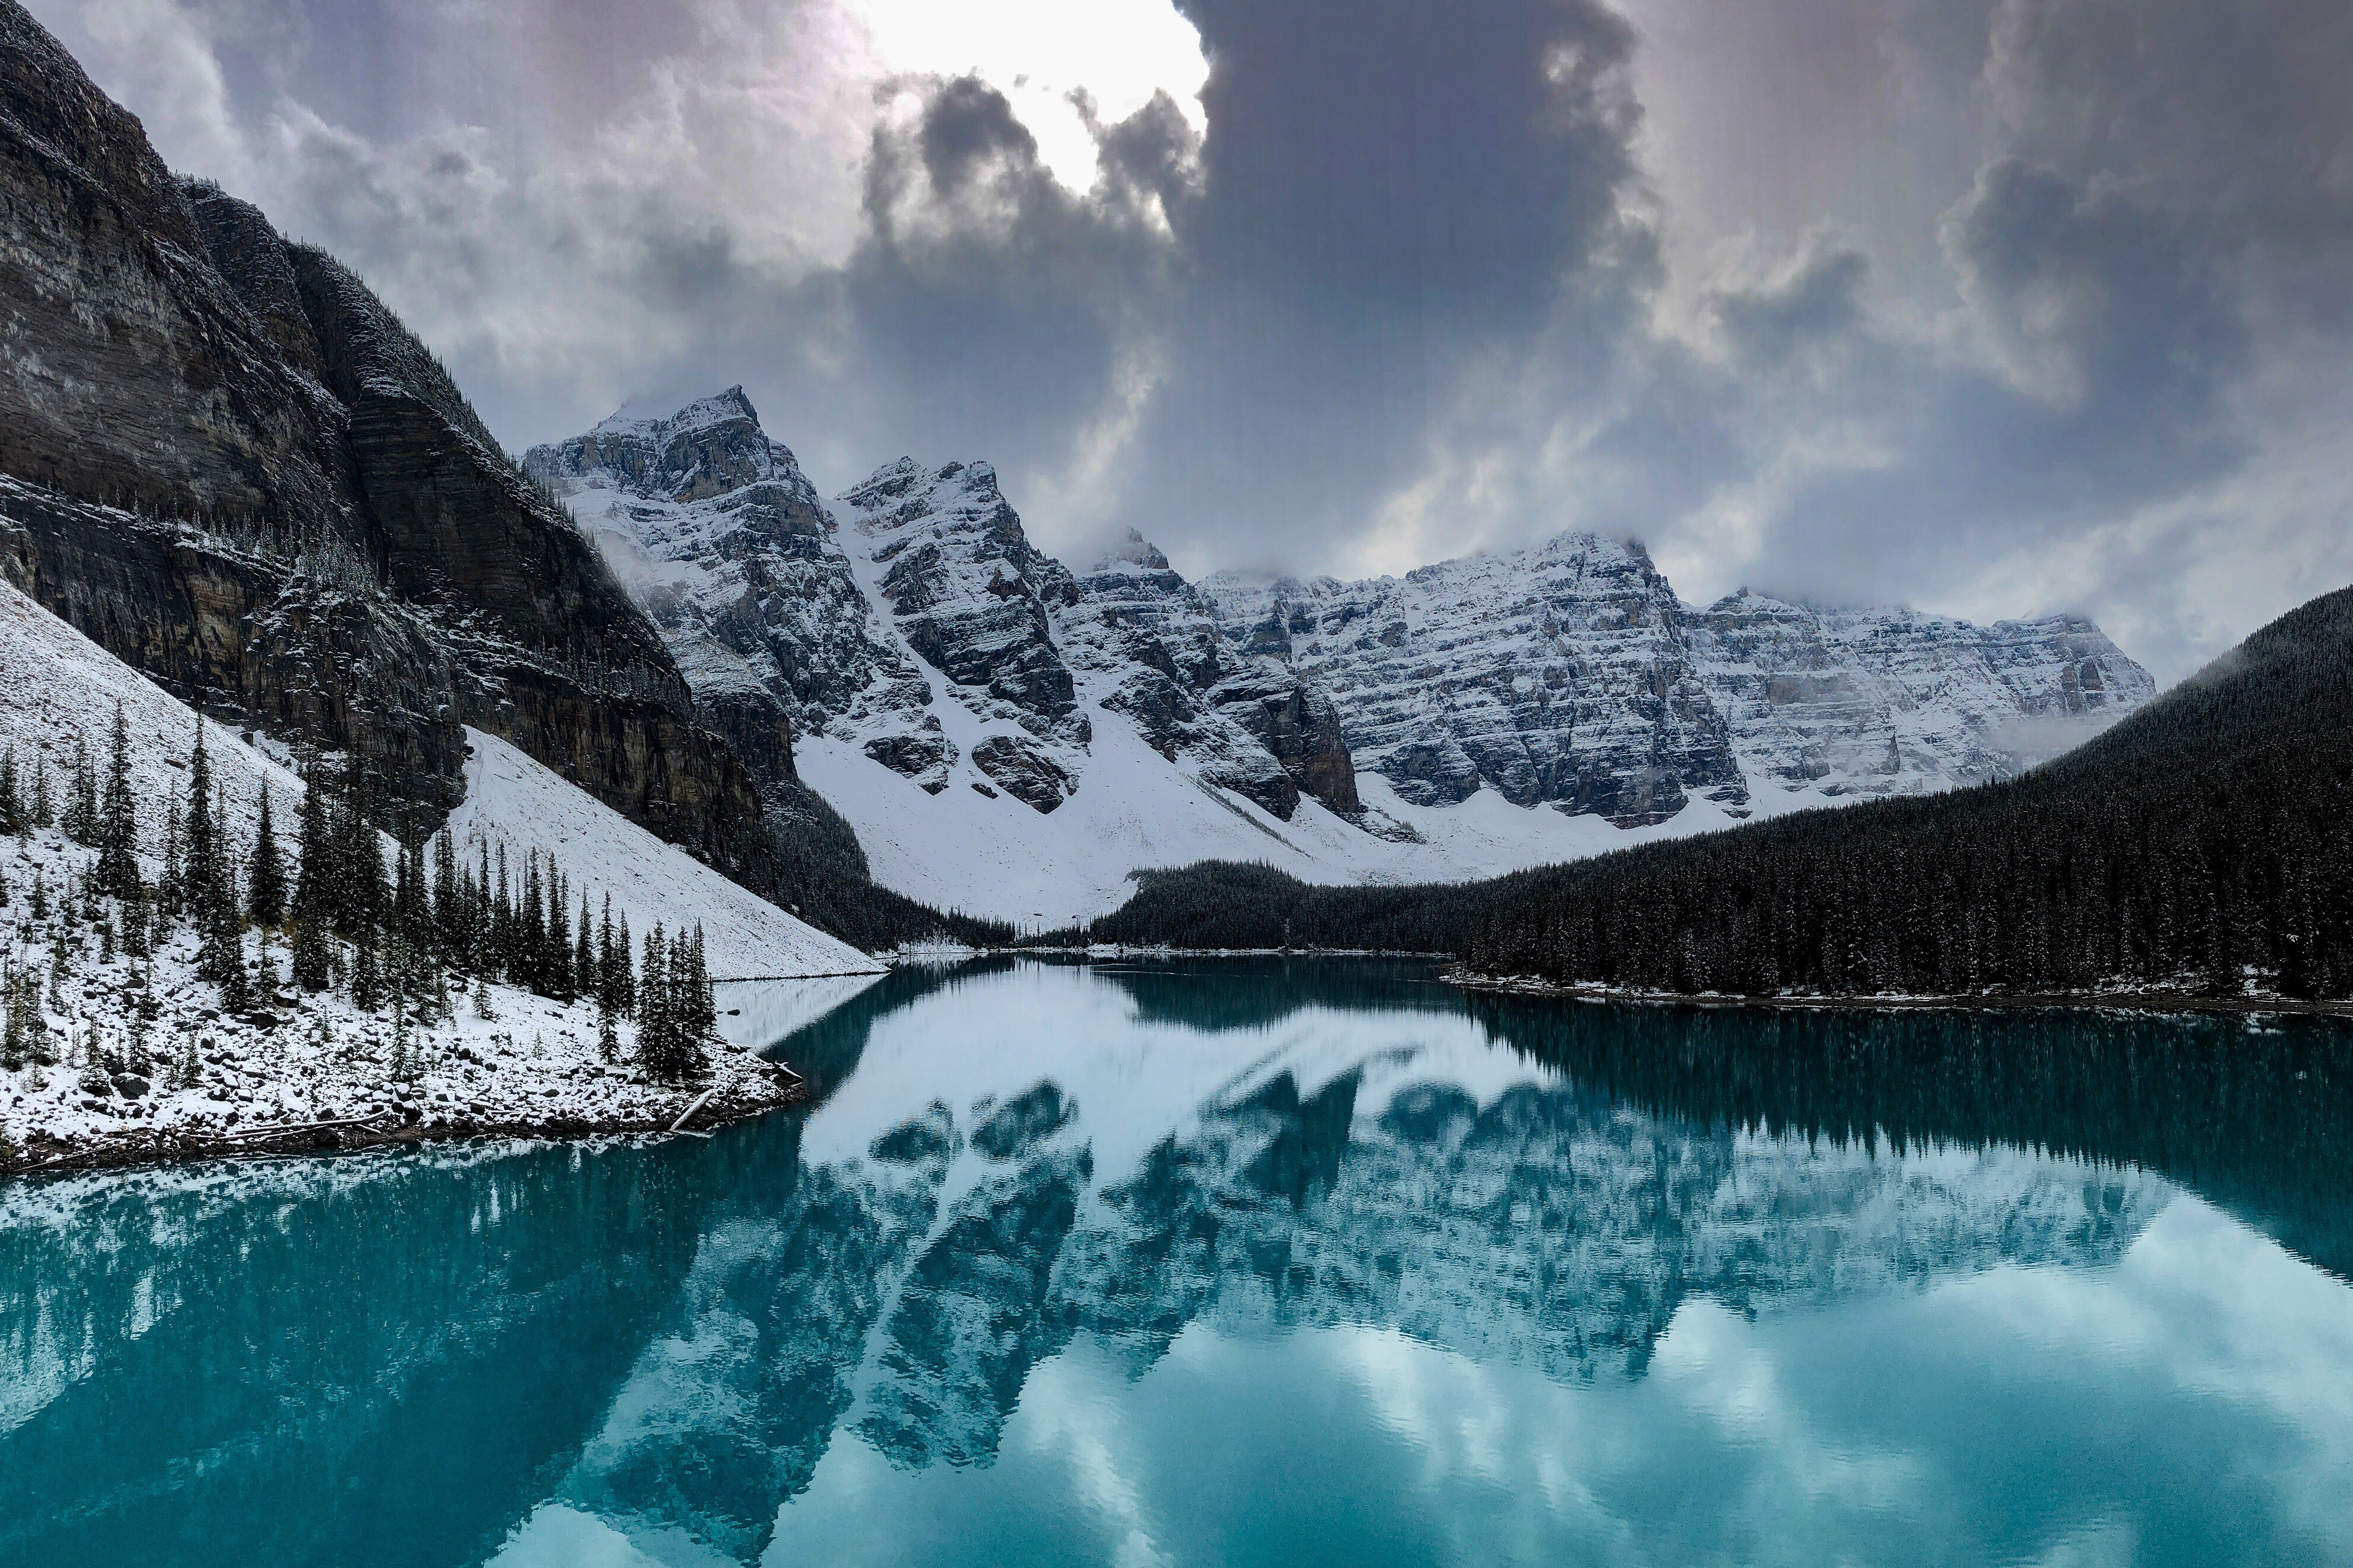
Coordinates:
1994 307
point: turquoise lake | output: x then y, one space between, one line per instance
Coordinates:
1252 1262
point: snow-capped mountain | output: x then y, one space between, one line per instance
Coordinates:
1845 702
1012 737
1006 736
1569 674
722 539
1559 675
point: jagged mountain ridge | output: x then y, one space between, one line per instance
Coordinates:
1570 674
912 626
230 465
918 583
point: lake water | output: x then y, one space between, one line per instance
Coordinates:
1248 1263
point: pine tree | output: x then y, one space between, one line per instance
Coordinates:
449 913
618 968
220 954
584 956
14 818
653 1003
136 1060
81 798
701 1012
314 897
200 872
12 1034
42 817
266 894
171 884
40 910
368 985
482 999
118 830
310 959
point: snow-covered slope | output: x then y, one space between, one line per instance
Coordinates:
1013 738
299 1059
514 801
56 687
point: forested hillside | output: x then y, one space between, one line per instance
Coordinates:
2204 843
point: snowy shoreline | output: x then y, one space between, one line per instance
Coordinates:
2157 1002
735 1096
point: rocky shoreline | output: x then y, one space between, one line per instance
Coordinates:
740 1087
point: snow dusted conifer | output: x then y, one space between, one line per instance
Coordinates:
367 993
200 875
81 798
135 914
448 896
42 815
701 1011
583 954
266 894
136 1060
313 901
118 826
14 818
12 1033
170 882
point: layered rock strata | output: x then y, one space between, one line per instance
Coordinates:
230 465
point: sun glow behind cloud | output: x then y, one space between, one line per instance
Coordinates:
1044 56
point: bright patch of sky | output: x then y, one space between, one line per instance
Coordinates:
1042 54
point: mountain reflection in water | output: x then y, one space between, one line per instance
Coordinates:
1040 1208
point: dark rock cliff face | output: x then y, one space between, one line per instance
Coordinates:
230 465
1255 725
970 592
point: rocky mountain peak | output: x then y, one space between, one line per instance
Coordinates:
659 448
1132 553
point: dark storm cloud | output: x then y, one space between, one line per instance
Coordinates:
1818 300
1993 305
1390 192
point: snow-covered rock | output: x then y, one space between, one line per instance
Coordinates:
718 534
1561 675
1872 702
1569 674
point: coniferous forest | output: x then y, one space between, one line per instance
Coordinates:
2203 844
389 933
